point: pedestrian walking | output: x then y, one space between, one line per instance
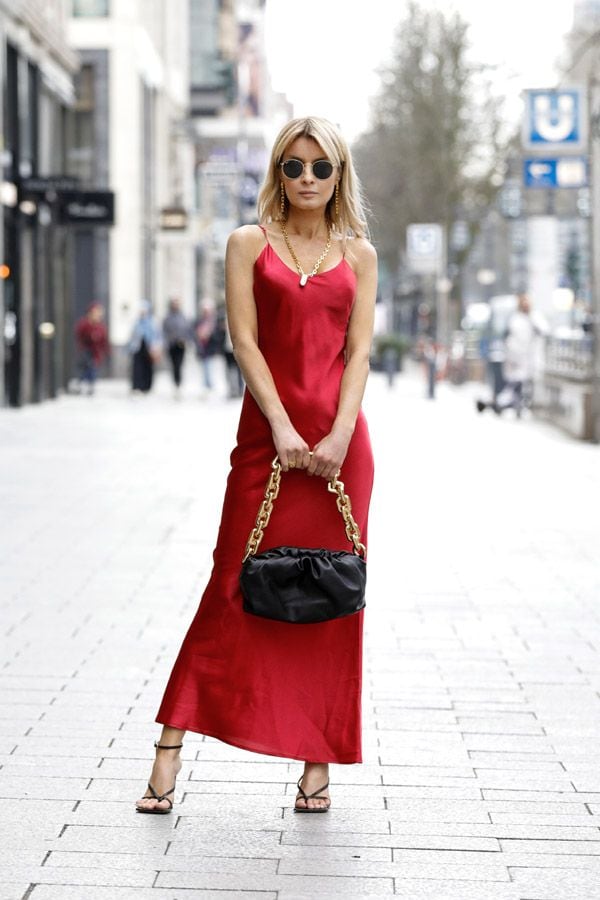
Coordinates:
145 349
493 350
91 337
522 334
207 341
300 293
176 331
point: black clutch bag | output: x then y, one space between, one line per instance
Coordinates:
303 585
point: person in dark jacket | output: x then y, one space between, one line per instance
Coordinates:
145 347
176 331
91 337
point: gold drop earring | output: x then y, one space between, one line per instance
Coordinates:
337 201
282 202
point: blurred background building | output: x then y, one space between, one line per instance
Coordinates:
235 115
134 136
37 72
130 133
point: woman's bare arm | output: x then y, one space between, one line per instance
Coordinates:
243 247
330 452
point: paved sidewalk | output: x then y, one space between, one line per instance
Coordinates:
482 673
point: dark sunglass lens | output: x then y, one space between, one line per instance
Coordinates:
292 168
322 168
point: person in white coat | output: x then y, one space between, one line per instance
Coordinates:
520 352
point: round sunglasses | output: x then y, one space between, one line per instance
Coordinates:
293 168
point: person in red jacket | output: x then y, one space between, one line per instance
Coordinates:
92 344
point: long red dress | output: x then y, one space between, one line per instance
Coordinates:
272 687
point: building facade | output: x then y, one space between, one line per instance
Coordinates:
235 115
131 134
37 71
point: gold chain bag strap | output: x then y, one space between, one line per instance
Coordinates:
303 585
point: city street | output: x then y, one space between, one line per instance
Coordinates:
481 778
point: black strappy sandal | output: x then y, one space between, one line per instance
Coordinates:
156 811
313 796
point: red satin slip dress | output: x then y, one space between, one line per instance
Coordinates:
271 687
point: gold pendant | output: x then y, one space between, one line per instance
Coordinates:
303 279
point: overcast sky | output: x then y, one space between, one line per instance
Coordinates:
324 53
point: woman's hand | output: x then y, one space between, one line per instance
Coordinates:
292 449
329 454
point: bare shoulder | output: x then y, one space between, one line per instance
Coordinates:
362 254
246 241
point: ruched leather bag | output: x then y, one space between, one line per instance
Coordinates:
303 585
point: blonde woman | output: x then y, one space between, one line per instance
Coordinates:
300 301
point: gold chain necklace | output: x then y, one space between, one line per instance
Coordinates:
304 276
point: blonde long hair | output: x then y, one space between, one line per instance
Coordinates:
351 219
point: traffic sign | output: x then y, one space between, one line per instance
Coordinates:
555 120
425 248
555 172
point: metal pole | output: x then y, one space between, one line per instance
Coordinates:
594 139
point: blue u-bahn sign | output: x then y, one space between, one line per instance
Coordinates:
555 120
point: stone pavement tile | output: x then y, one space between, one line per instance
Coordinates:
438 810
398 793
30 787
29 834
81 876
31 682
426 758
483 708
334 853
14 890
589 782
491 759
550 796
496 742
555 884
274 788
503 723
69 892
528 781
409 699
428 888
559 808
328 884
355 820
318 891
455 775
188 838
54 768
420 839
51 747
156 862
107 812
590 863
406 864
246 815
112 840
533 818
558 847
24 696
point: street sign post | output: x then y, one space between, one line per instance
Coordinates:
555 121
425 248
555 172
